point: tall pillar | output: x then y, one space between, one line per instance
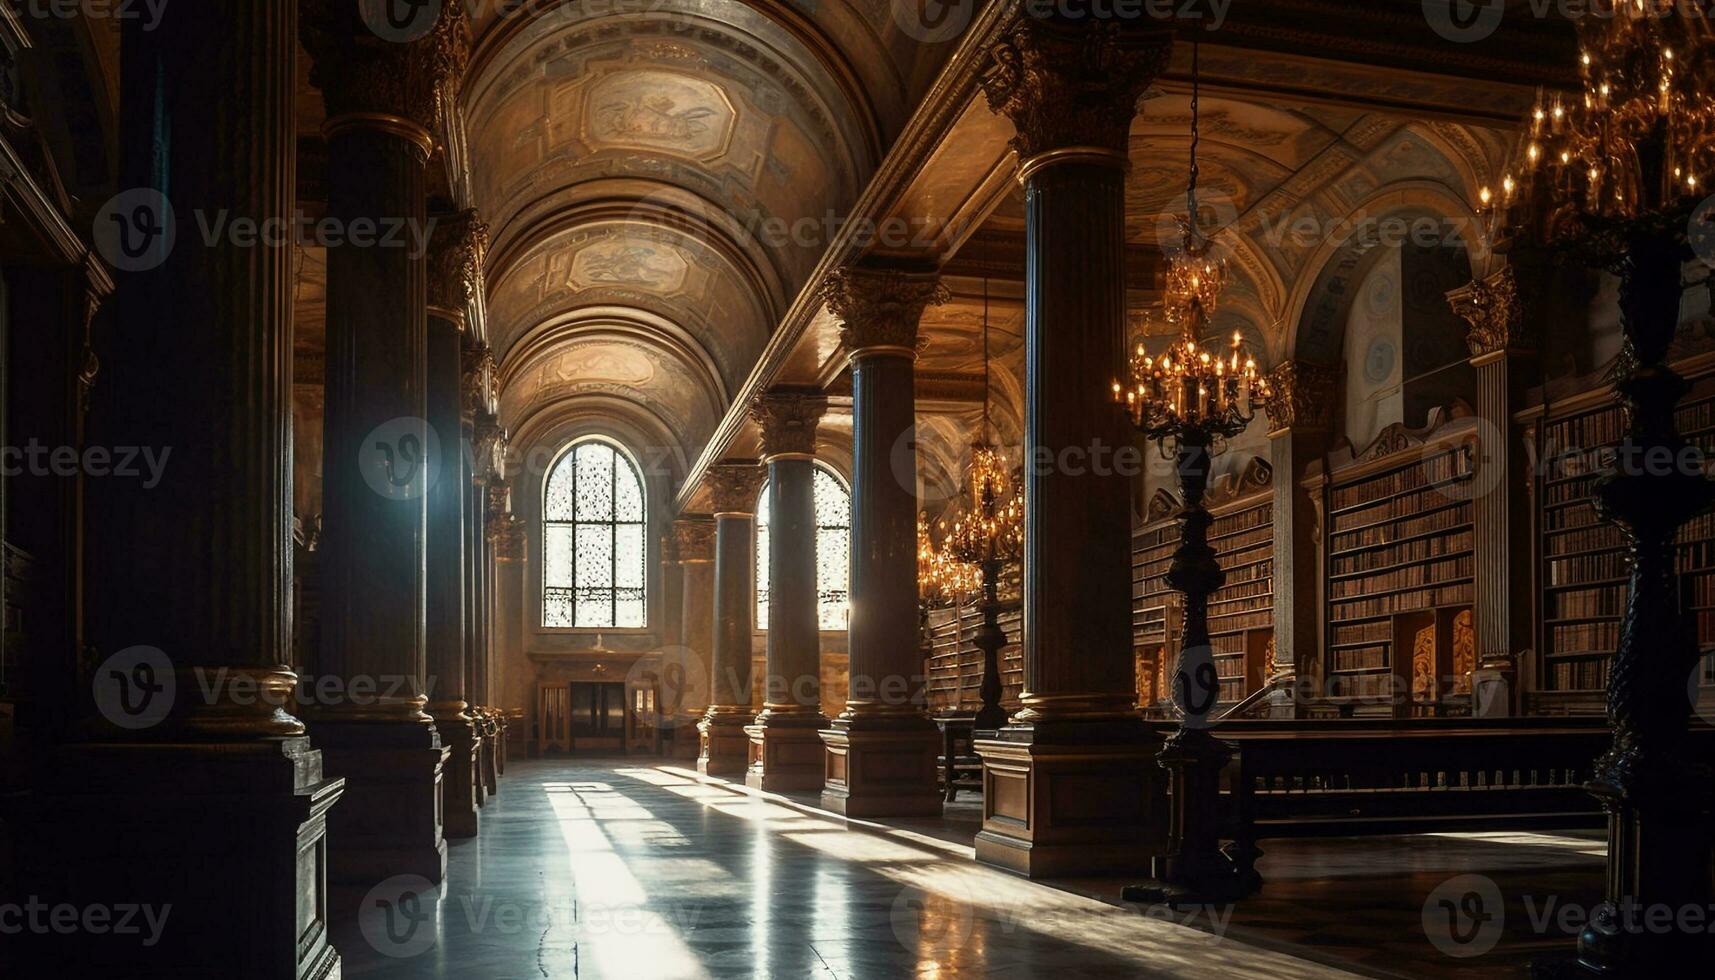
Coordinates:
189 760
1300 422
881 750
1501 354
384 101
786 751
694 544
724 748
455 263
512 681
1071 782
495 511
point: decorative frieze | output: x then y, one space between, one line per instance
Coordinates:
880 308
1072 85
457 248
1301 396
788 421
1491 306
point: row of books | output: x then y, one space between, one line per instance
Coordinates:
1230 666
1586 602
1241 620
1248 589
1416 549
1437 572
1440 468
1374 631
1578 675
1588 568
1258 516
1394 508
1360 658
1446 519
1398 602
1583 539
1599 637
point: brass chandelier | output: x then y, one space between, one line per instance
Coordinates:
989 526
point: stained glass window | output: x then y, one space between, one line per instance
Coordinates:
833 551
592 530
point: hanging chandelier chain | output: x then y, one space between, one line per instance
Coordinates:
1191 185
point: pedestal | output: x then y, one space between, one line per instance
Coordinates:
390 820
1065 808
881 772
724 748
784 755
161 825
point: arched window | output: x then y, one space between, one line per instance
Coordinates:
833 551
593 539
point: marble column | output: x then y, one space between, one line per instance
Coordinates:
190 760
723 747
694 545
1071 784
498 494
1504 359
881 750
455 268
1300 423
513 680
481 468
786 751
384 102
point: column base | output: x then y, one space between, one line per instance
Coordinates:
391 823
459 779
881 771
786 753
147 826
723 746
1072 799
685 741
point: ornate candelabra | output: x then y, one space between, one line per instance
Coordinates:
1610 176
1188 400
987 535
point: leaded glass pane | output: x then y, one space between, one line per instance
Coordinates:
595 482
833 506
761 575
594 536
833 572
833 503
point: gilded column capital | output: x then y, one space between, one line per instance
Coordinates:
1301 396
497 501
457 248
733 487
694 540
1491 306
478 381
788 420
507 534
375 73
879 309
1072 87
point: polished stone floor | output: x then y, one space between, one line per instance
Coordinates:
627 869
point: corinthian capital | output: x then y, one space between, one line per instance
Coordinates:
456 251
733 487
788 421
507 534
478 381
880 308
1491 306
694 540
373 69
1072 85
1301 396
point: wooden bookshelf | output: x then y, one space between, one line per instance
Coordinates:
1582 562
1398 565
1241 612
955 665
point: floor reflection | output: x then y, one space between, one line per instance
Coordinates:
614 870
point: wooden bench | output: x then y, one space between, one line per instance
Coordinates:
1340 778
